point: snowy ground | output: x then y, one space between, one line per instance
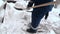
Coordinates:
15 20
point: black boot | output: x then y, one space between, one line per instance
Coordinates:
31 30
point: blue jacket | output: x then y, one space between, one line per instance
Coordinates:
38 2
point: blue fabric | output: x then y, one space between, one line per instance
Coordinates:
38 2
38 13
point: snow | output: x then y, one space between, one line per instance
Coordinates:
15 20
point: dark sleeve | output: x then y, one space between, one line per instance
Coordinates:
30 4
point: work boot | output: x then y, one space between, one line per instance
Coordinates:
31 30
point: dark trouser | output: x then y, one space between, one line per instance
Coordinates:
37 15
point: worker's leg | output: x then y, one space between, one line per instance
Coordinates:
36 18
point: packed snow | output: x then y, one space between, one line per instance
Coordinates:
16 20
